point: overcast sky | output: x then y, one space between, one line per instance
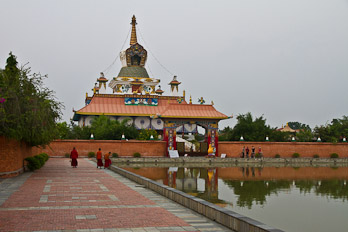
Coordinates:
284 59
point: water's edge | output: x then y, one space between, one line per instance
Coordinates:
223 216
231 162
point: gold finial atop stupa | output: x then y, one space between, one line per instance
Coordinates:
133 39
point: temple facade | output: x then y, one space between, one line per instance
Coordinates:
138 97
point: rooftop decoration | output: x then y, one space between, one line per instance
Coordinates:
201 100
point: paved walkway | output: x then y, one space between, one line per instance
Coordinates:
60 198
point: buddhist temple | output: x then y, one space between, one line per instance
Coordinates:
287 128
138 97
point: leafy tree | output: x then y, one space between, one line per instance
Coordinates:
304 135
104 128
250 129
279 136
77 132
146 134
298 125
333 132
63 130
28 110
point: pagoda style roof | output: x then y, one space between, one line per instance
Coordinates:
168 107
287 128
184 110
102 79
133 71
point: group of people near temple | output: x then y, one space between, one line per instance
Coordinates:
246 151
107 161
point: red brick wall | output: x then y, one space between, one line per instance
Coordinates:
269 149
12 154
121 147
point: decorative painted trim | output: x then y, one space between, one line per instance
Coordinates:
141 101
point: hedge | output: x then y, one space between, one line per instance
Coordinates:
37 161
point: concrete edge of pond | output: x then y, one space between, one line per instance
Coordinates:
223 216
233 161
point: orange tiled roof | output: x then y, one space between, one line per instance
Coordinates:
177 110
102 79
167 109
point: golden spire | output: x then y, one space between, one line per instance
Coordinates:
133 39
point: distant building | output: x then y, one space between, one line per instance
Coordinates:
139 98
287 128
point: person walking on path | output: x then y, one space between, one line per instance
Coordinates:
99 159
252 152
260 152
247 152
107 160
74 155
243 152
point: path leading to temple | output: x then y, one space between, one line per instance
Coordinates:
61 198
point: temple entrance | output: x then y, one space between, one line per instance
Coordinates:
191 142
191 137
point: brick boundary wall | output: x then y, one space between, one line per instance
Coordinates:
12 155
123 148
285 149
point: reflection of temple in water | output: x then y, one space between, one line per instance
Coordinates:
186 180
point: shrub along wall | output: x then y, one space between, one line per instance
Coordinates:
286 149
122 147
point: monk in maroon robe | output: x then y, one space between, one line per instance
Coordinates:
99 159
107 160
74 155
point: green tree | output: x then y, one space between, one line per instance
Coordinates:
250 129
28 110
103 127
298 125
63 130
334 131
304 135
146 134
77 132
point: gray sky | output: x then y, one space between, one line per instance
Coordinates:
285 59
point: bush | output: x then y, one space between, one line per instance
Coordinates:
36 162
114 155
136 155
46 157
258 155
277 156
334 155
316 156
91 154
41 160
67 155
33 163
295 155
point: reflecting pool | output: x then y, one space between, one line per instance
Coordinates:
289 198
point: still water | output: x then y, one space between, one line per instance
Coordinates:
293 199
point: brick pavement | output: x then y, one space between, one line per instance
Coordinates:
60 198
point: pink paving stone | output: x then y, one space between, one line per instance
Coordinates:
61 177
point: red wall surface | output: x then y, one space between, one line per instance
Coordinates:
12 155
285 149
122 147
